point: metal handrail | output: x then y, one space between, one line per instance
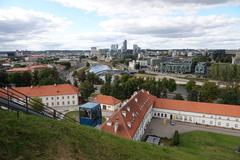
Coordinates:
11 93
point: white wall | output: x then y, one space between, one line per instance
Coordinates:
110 107
60 100
198 118
141 129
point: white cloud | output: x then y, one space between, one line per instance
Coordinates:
20 28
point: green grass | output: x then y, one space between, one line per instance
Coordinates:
73 115
31 137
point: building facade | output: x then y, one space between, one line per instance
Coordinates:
107 103
56 96
131 119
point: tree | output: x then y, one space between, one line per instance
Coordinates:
35 78
86 89
3 77
230 95
87 65
81 75
193 94
190 84
75 83
176 139
171 85
36 104
208 92
49 76
178 96
106 89
137 66
108 78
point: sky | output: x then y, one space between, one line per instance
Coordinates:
156 24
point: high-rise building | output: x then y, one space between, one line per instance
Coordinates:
94 51
114 47
124 47
136 49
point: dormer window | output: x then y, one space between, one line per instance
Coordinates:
129 124
124 113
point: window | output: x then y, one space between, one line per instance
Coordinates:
165 115
73 102
73 96
52 104
211 122
190 119
47 104
236 125
219 118
52 98
67 97
58 103
62 97
203 115
155 114
237 120
185 118
162 115
68 102
63 103
219 123
211 116
159 114
46 98
57 97
228 119
227 124
203 121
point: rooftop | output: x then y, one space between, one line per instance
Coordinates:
49 90
109 100
89 105
198 107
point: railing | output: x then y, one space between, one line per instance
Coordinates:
15 100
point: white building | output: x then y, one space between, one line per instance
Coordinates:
131 119
108 103
60 97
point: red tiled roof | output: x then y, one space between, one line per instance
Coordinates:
49 90
198 107
135 110
28 68
109 100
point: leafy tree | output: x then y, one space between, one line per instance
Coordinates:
137 66
106 89
193 94
230 95
86 89
190 84
75 83
36 104
3 77
171 85
93 78
108 78
178 96
35 78
176 138
87 65
81 75
49 76
208 92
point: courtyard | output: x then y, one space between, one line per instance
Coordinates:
161 128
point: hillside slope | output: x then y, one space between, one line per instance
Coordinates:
30 137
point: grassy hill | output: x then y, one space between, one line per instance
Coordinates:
30 137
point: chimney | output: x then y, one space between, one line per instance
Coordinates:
116 127
31 86
55 84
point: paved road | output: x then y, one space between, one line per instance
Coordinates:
158 128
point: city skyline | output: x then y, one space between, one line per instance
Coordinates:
81 24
